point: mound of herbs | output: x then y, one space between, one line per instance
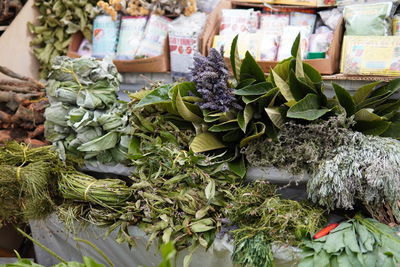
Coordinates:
356 242
367 170
263 218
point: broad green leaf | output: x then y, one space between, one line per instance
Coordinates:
105 142
200 227
390 106
345 99
391 87
210 190
157 96
312 73
392 131
236 62
205 142
251 99
139 95
334 242
185 111
251 70
364 91
350 240
258 129
307 109
134 148
238 166
296 53
283 86
372 127
201 213
232 136
296 46
244 117
225 126
276 116
282 69
298 88
366 115
245 83
167 235
254 89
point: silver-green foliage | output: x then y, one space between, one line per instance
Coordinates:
368 170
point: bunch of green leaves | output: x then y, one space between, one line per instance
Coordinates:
301 147
374 107
263 218
356 242
57 21
85 118
366 170
27 182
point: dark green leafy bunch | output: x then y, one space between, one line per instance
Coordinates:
300 147
57 21
356 242
263 218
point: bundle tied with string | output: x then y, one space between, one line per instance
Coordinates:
27 178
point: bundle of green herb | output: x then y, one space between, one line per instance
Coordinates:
367 170
299 147
263 218
85 118
27 182
58 20
357 242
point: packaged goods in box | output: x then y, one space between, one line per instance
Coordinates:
272 41
311 3
371 55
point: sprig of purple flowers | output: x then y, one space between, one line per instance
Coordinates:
210 75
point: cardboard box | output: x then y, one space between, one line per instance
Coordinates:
308 3
328 65
160 63
153 64
371 55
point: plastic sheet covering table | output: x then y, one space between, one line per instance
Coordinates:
51 233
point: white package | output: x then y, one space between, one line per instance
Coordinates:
320 40
130 36
154 38
235 21
287 39
269 47
303 19
274 23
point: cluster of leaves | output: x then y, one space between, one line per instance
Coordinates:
356 242
58 20
300 147
367 169
84 117
260 214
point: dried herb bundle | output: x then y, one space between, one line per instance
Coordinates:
367 170
300 147
260 214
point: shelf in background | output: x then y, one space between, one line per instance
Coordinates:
366 78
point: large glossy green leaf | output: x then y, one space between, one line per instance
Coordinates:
244 117
225 126
296 53
254 89
157 96
276 115
372 127
205 142
251 99
298 88
232 136
345 99
392 131
283 86
391 87
236 62
390 106
258 129
364 91
307 109
245 83
282 69
186 110
366 115
238 166
251 70
102 143
312 73
296 46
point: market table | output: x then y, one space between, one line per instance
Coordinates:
52 233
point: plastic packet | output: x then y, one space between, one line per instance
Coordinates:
274 23
368 19
206 5
130 36
289 36
236 21
320 40
303 19
85 48
105 33
331 17
184 33
269 47
154 38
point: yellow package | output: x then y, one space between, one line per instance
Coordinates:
371 55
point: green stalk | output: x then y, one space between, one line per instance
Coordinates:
95 248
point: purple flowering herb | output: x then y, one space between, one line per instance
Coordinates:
210 75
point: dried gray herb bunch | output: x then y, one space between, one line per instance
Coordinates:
367 170
300 147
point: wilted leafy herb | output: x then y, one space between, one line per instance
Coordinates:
254 251
58 20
